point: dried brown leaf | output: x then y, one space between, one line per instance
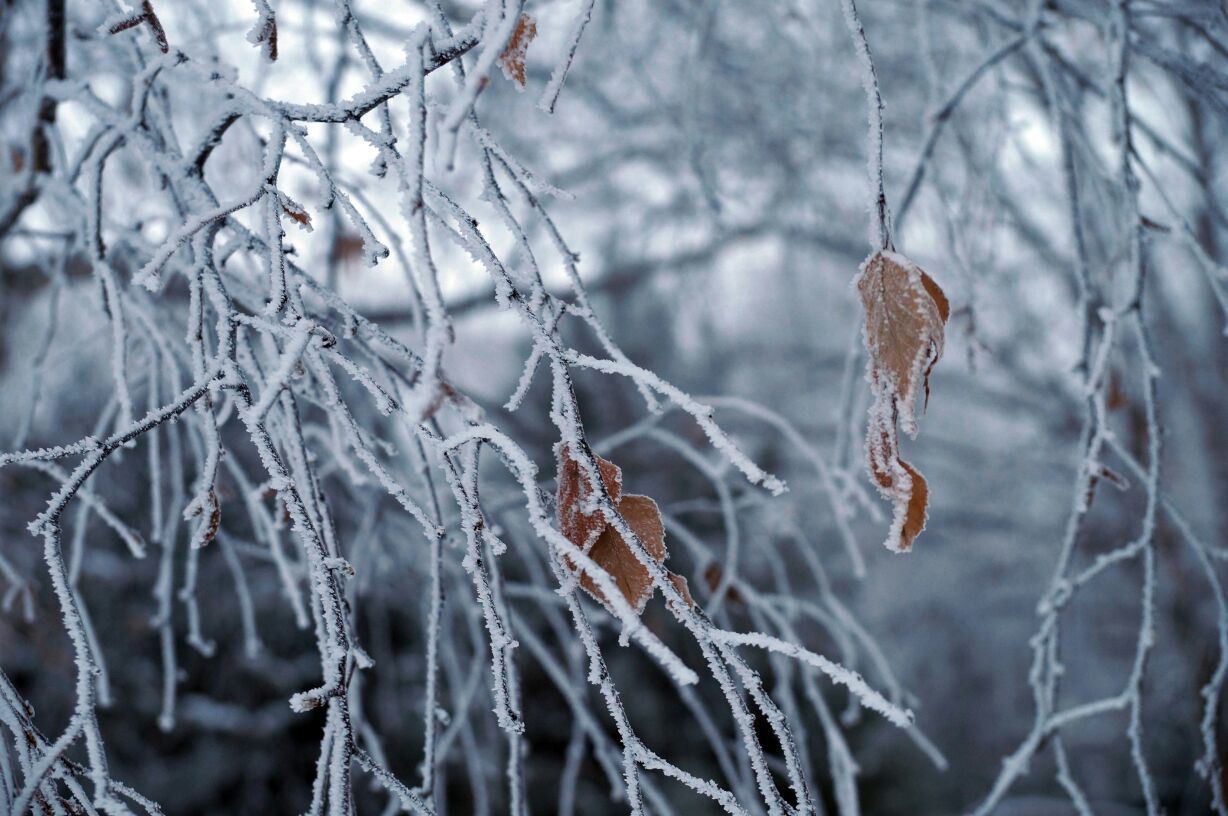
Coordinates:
905 316
213 509
512 58
918 502
905 313
300 216
271 41
680 584
940 297
899 482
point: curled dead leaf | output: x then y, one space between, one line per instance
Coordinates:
905 318
903 485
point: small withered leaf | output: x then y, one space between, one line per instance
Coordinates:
208 506
264 33
512 58
215 521
268 36
582 522
905 317
680 584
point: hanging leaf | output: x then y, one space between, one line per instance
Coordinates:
512 58
905 318
906 313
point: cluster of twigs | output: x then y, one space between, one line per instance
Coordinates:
237 372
